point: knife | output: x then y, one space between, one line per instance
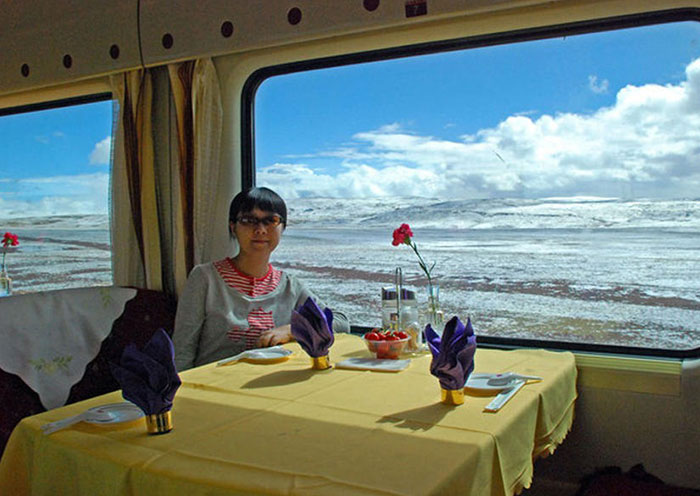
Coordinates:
503 397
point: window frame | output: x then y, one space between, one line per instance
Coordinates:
55 104
256 78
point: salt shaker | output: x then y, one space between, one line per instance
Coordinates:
409 320
390 314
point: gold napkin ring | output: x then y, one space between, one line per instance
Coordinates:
320 363
159 423
452 396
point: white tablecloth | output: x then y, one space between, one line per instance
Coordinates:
48 338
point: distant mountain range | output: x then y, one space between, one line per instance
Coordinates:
75 221
572 213
547 213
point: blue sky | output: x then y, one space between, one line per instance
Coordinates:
577 116
608 115
467 90
56 161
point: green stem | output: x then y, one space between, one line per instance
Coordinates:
431 295
422 262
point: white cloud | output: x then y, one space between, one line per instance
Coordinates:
598 86
60 195
100 154
645 144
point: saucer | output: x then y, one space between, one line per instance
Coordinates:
118 413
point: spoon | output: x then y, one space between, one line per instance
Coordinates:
233 359
92 415
508 377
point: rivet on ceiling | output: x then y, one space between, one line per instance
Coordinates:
227 29
371 5
167 41
294 16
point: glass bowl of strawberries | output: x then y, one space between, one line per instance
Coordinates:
386 344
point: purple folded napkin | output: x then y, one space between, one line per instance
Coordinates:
313 328
453 354
148 377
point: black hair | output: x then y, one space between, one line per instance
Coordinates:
261 198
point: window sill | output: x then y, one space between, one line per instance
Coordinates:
630 374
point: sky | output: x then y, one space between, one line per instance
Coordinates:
56 162
608 114
613 114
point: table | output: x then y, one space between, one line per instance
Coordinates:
286 429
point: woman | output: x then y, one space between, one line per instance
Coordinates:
241 302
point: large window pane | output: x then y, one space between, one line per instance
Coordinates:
54 194
554 183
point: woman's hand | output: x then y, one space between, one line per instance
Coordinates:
273 337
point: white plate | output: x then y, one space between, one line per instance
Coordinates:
379 364
119 412
481 382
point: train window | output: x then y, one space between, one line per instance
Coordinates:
54 191
553 182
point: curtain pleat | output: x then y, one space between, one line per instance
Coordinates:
127 266
208 121
181 84
136 165
133 176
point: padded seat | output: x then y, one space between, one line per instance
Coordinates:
611 481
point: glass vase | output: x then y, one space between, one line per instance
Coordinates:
433 313
5 283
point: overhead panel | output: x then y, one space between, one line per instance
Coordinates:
182 29
214 28
48 42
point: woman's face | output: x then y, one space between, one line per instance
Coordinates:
258 232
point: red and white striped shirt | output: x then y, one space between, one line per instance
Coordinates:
248 285
258 319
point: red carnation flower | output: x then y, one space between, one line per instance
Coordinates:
402 235
10 239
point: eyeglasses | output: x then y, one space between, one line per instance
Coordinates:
252 220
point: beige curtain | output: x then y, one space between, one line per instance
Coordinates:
135 220
197 99
183 212
186 191
208 121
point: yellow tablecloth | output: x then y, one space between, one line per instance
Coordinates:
286 429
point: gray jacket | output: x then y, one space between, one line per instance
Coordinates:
208 309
